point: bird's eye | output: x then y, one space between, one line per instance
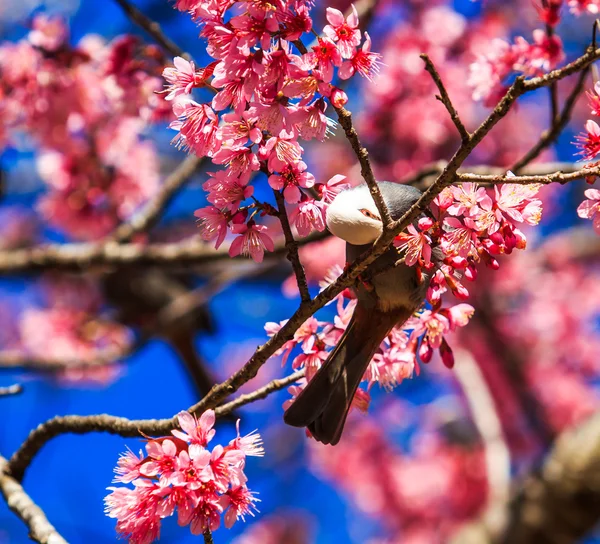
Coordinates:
370 214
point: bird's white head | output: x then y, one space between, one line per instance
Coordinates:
353 216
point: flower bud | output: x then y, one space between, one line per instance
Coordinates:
338 98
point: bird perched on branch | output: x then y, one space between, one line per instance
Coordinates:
390 296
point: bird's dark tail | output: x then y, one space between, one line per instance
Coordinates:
324 403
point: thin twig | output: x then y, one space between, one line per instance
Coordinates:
40 529
11 390
444 98
345 118
144 219
292 248
548 137
122 426
208 539
152 28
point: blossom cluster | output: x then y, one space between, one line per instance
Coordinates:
489 73
180 473
267 99
85 107
588 144
70 329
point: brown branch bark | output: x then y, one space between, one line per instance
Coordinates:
550 136
292 247
87 256
208 538
345 118
152 28
558 504
444 98
40 529
122 426
145 219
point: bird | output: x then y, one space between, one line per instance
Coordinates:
392 293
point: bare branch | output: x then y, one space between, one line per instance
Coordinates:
85 256
152 28
555 177
292 248
444 98
144 219
556 505
208 539
40 529
122 426
559 123
345 118
11 390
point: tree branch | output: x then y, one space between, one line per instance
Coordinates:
152 28
345 118
292 248
558 504
145 218
208 539
40 529
559 123
444 98
122 426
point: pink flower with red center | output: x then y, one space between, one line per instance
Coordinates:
589 142
594 99
323 57
252 241
291 179
416 244
238 128
549 11
307 216
590 208
128 467
136 511
305 335
281 151
543 55
272 328
488 72
467 198
459 239
182 77
213 224
519 202
197 125
343 31
251 30
331 188
579 6
311 121
239 502
311 360
240 160
226 191
196 431
365 62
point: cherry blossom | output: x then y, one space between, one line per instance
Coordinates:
180 473
252 240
